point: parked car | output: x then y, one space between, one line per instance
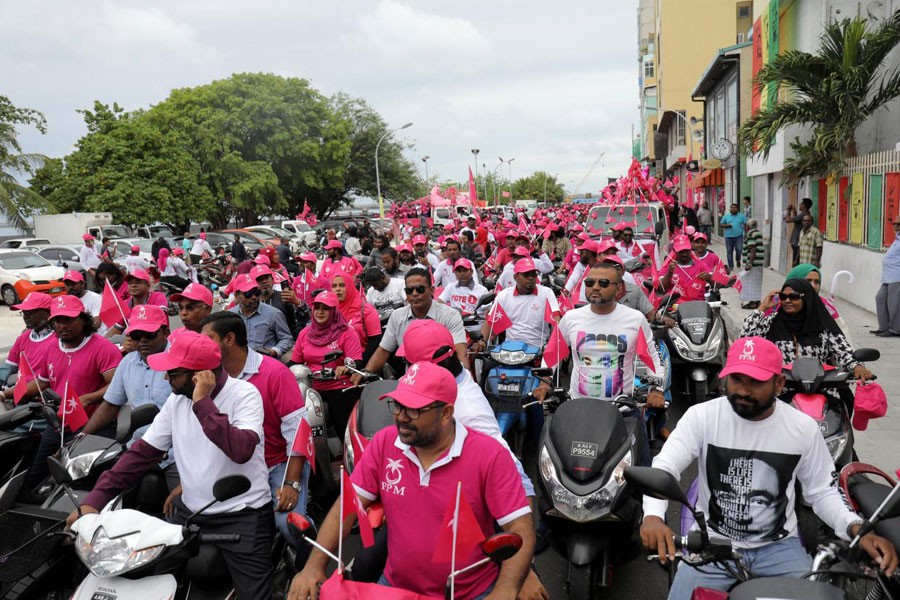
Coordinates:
23 242
219 239
23 272
249 236
298 242
61 255
123 249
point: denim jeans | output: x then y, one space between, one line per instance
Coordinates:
383 581
785 558
734 246
276 475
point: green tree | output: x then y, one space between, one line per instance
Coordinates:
17 202
533 187
833 91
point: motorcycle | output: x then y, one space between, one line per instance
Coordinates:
585 446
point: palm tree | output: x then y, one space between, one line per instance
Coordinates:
833 91
13 195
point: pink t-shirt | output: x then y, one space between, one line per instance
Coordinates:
305 286
685 282
366 325
281 397
153 299
312 356
415 502
710 261
346 265
82 367
35 351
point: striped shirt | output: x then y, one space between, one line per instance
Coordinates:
754 240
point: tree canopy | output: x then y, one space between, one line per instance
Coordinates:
16 201
533 186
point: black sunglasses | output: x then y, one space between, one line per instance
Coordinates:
603 283
419 289
413 413
137 336
252 293
793 296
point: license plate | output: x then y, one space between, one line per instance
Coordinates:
318 430
508 387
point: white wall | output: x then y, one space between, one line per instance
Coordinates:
865 266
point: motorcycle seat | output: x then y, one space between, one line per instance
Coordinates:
870 495
785 587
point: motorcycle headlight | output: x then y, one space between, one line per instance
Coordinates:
837 444
314 403
681 346
108 557
79 466
582 509
512 357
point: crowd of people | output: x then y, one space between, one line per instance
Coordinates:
230 405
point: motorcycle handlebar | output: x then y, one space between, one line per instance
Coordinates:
220 538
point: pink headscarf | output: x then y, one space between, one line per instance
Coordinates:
322 334
162 259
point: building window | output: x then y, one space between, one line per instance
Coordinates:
679 129
744 12
649 69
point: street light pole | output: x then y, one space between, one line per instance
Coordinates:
475 151
425 160
378 173
509 164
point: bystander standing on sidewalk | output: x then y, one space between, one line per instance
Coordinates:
810 243
733 223
754 253
797 218
887 300
705 219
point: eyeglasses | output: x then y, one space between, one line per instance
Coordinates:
413 413
793 296
603 283
252 293
138 336
419 289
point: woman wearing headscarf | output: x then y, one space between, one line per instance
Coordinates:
802 327
360 315
813 275
329 331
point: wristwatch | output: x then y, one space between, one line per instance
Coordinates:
851 525
294 484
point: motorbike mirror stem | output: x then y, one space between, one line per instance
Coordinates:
869 524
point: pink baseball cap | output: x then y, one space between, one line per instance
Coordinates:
327 298
522 251
71 275
680 243
262 259
591 246
194 291
754 357
135 248
334 244
428 337
424 383
177 251
66 306
526 265
689 230
202 236
612 258
245 282
147 317
261 271
187 350
870 403
419 239
605 246
309 257
403 248
463 263
87 237
700 236
138 274
34 301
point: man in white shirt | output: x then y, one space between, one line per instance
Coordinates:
752 449
200 246
135 261
541 259
465 292
444 273
383 291
589 251
75 286
90 260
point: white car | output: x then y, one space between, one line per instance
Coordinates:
297 241
23 242
123 249
23 272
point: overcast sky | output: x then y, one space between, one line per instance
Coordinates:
551 84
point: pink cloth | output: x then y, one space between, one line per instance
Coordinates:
312 356
345 265
710 261
82 368
415 506
305 286
35 351
281 397
685 282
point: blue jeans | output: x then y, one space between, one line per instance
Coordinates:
276 474
383 581
785 558
734 246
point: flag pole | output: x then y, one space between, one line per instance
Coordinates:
65 405
341 527
30 368
453 548
559 362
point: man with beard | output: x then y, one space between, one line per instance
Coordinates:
267 329
265 278
444 274
752 450
390 261
335 262
415 470
465 292
214 423
32 344
588 253
682 273
194 304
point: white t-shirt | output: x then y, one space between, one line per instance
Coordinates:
176 426
463 298
507 277
200 246
603 350
527 314
392 293
133 262
175 267
575 276
747 471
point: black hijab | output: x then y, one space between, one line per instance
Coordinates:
807 325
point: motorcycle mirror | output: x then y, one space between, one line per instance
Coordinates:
501 546
143 415
59 473
230 487
866 354
298 524
49 413
659 228
486 299
542 372
332 356
656 483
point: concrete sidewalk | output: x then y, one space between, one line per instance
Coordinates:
880 443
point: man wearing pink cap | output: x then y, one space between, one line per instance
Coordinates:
195 303
267 329
414 469
140 294
682 274
424 255
135 261
464 293
507 276
335 262
214 423
199 247
89 259
588 253
752 450
32 344
270 293
444 273
75 286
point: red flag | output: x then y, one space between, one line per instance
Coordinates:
302 215
720 276
498 320
74 418
338 587
112 310
468 532
557 350
349 503
504 194
473 191
548 313
303 444
643 351
565 304
25 375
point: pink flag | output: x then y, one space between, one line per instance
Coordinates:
473 190
565 304
349 504
303 444
504 194
557 350
74 417
642 350
112 310
498 319
459 528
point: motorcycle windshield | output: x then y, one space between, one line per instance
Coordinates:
586 433
695 318
372 415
